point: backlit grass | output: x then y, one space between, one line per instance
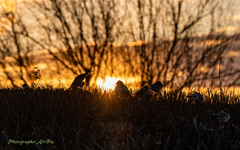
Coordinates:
94 118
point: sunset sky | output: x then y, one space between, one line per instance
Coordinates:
230 24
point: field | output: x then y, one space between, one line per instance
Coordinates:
92 118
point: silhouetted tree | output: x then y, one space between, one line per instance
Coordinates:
15 50
175 41
168 45
82 32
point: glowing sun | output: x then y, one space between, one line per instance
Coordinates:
109 82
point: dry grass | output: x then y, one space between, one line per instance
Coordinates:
96 119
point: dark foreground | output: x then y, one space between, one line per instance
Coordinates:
93 119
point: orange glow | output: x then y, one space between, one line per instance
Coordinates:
169 74
204 69
217 66
236 17
135 43
171 38
93 43
180 73
8 5
12 18
228 28
26 1
212 42
109 82
232 53
204 90
40 65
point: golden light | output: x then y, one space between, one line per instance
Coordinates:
236 17
135 43
8 5
109 82
212 42
204 69
232 53
180 73
228 28
169 74
217 66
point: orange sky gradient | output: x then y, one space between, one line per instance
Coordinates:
108 82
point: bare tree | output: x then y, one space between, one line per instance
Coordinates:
15 50
82 31
172 41
186 58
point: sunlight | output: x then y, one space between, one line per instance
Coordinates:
232 53
169 74
236 17
8 5
180 73
204 69
212 42
221 66
135 43
109 82
228 28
